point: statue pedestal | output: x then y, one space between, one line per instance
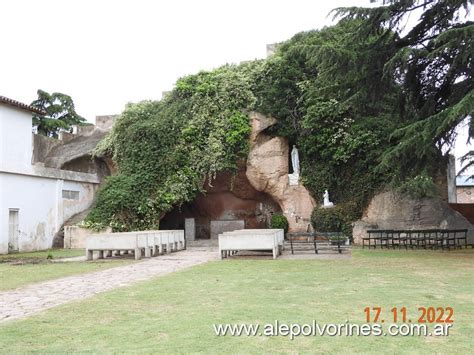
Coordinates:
330 205
293 179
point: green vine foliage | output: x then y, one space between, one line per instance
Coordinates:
165 150
332 100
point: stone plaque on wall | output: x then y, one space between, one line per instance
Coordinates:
190 228
221 226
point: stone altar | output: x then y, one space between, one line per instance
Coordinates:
221 226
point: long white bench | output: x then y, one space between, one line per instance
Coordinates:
149 243
280 234
251 239
162 241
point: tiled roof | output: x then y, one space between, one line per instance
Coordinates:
464 180
21 105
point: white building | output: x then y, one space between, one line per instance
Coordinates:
34 200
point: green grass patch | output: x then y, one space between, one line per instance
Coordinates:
175 313
41 256
21 269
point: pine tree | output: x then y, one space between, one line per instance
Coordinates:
60 114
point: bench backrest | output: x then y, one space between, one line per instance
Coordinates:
255 241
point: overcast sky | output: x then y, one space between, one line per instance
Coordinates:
107 53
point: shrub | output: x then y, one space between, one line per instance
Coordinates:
279 221
336 219
327 219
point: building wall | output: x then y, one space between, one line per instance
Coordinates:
35 191
15 137
42 208
465 194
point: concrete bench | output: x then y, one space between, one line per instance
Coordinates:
149 243
162 241
248 239
280 234
115 242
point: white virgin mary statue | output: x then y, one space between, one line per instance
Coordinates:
326 202
295 160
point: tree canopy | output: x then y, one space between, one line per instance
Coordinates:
433 65
60 114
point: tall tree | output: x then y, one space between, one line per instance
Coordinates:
433 64
60 114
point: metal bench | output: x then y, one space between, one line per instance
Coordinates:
416 238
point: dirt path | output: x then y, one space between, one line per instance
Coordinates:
26 301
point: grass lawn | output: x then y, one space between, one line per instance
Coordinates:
20 269
41 255
175 313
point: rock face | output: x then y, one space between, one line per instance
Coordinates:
267 171
390 210
259 189
230 198
73 152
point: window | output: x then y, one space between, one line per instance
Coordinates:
70 195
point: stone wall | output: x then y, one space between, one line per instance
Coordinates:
42 145
105 122
390 210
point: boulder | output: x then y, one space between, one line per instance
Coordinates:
392 210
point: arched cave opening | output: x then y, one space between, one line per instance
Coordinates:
230 198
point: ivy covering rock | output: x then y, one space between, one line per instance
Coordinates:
165 150
356 98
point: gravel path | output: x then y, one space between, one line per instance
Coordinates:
26 301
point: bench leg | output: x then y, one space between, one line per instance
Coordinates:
168 248
109 254
89 254
138 253
275 253
147 252
117 253
160 249
101 254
